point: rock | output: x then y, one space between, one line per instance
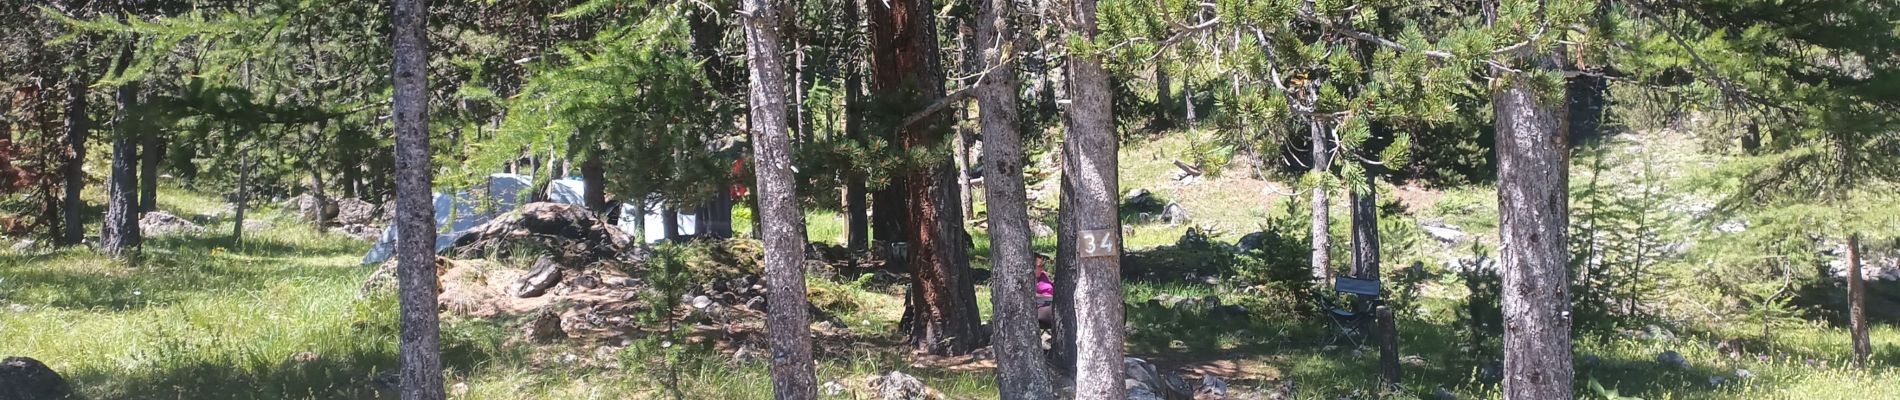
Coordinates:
701 302
1412 360
1743 374
1442 394
757 303
20 308
1175 213
1717 380
1287 390
359 232
354 212
1659 333
832 388
1176 387
253 225
898 386
1141 375
544 327
1138 197
23 378
1251 242
159 223
545 274
1212 388
1672 359
25 246
1442 232
1143 394
1041 230
579 237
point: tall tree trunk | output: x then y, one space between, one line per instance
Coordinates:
786 322
1534 206
967 60
120 236
1857 303
74 159
594 183
243 198
151 149
415 212
857 224
1365 228
908 70
1164 94
1322 258
317 186
1066 269
1093 147
1018 342
670 223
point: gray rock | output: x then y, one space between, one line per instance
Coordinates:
1141 375
545 327
1442 232
1175 214
898 386
1287 390
23 378
1672 359
1743 374
1041 230
545 274
160 223
701 302
1442 394
832 388
1212 387
1143 394
354 212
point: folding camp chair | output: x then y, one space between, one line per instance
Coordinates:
1351 321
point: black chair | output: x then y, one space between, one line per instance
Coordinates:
1351 321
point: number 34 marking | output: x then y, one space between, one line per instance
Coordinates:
1098 243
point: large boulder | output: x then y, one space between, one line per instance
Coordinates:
160 223
355 212
23 378
568 232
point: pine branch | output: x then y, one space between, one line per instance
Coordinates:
935 107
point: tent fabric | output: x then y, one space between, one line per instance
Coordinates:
505 190
461 212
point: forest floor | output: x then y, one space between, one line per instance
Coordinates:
280 317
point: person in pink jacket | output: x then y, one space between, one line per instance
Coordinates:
1045 295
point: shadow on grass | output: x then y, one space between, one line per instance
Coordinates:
360 372
173 268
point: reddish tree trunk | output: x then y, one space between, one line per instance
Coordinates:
907 70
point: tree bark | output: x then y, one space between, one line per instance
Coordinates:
784 234
1164 94
1365 228
415 211
1857 303
120 236
243 194
1533 202
908 70
74 160
1093 147
1388 351
857 224
1066 270
1017 339
1322 257
151 149
594 183
670 223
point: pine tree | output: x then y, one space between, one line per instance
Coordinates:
1089 151
1017 340
415 211
784 235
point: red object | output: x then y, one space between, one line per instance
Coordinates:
738 170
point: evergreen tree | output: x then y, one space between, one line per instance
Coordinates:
415 211
787 322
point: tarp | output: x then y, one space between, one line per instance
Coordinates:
455 215
465 208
